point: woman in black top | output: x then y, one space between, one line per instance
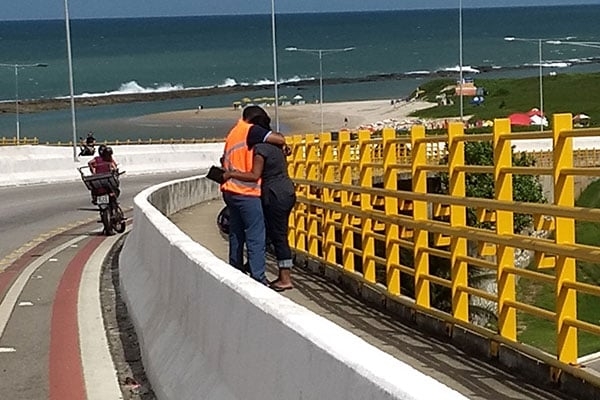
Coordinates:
278 194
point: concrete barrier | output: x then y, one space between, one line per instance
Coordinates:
30 164
209 332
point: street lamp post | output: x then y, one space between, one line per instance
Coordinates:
275 78
320 53
460 57
71 91
16 68
541 74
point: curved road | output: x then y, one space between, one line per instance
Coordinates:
29 213
52 335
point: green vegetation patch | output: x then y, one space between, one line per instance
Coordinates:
563 93
541 333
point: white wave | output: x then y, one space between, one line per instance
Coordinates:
551 64
465 68
422 72
263 82
229 82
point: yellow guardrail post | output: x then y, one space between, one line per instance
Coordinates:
458 218
345 167
420 239
505 255
564 196
296 170
390 182
366 230
328 176
312 174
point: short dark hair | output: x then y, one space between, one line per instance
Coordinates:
257 116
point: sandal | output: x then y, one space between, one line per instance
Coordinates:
278 288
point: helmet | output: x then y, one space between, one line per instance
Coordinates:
101 149
223 221
108 150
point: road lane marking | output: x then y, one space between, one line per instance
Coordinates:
15 254
65 372
8 304
101 380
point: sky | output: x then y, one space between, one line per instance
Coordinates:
54 9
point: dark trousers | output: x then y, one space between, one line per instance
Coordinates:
277 208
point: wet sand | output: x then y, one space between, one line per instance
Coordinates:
302 118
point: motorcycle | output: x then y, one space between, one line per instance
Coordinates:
105 191
87 147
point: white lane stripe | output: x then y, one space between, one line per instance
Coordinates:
7 306
101 381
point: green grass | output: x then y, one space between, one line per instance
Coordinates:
563 93
541 333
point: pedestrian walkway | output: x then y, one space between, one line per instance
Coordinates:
474 378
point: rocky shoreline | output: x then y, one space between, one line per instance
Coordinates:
40 105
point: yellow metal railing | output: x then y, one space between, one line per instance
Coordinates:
35 141
12 141
352 215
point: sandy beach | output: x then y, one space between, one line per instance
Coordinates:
305 118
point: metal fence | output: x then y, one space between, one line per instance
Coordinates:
353 215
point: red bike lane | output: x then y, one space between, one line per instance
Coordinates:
40 346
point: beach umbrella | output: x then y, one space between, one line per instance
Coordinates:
298 97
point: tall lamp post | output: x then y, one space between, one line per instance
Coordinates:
460 57
71 91
16 68
275 78
539 42
320 53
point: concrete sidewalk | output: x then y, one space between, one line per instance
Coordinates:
474 378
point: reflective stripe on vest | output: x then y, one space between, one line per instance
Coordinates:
237 157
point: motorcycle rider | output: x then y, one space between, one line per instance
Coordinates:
87 147
102 164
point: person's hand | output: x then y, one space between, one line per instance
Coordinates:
287 150
226 175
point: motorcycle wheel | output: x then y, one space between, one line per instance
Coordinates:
119 220
105 216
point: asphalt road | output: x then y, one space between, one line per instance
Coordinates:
43 278
29 212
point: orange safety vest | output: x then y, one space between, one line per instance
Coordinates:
237 157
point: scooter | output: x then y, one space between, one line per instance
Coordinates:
105 192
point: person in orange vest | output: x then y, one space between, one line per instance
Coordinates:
278 198
246 220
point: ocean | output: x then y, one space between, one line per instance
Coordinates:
393 52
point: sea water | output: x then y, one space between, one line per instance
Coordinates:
146 55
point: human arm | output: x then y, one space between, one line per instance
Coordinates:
258 164
92 165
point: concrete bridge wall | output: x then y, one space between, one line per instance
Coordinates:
208 331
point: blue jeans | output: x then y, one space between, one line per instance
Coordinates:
246 225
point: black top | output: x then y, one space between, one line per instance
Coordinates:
275 175
257 134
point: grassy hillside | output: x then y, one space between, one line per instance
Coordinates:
563 93
541 333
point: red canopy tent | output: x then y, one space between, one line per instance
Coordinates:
522 119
